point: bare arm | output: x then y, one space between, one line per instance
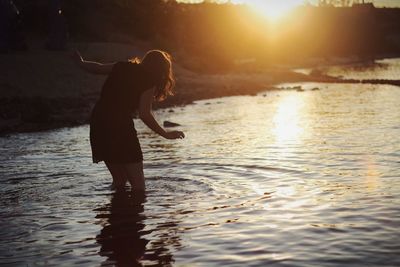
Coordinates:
91 66
146 115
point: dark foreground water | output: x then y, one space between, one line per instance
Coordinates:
289 178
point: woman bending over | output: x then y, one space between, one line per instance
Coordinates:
130 86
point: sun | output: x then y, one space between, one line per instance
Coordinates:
273 9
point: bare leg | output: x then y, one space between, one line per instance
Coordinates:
135 176
118 174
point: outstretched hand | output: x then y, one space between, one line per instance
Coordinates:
76 57
175 135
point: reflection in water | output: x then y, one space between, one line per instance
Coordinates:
287 125
121 237
372 176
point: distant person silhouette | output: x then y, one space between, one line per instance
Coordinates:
130 86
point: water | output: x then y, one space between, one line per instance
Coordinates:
386 69
285 178
381 69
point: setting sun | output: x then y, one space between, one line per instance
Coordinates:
273 9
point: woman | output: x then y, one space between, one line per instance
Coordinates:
130 86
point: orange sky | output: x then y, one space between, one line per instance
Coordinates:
276 9
380 3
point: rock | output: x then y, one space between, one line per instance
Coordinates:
171 124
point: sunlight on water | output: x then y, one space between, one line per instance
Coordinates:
372 175
285 178
287 125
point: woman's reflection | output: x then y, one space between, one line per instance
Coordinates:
121 237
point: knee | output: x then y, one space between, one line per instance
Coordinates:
137 182
118 186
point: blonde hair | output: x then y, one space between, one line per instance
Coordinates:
159 66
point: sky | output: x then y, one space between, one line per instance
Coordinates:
388 3
378 3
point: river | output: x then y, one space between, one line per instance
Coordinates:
304 177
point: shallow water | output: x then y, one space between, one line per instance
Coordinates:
386 69
380 69
285 178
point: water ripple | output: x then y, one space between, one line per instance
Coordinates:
291 179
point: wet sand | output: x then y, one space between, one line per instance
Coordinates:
41 90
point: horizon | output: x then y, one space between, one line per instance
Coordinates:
377 3
275 10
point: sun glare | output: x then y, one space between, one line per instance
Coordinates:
273 9
288 126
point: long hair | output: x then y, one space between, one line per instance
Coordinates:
159 66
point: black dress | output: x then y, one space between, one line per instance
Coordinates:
113 136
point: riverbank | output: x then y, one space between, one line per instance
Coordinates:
41 90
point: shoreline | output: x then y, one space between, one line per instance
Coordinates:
35 114
53 93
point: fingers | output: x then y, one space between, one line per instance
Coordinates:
179 135
75 55
176 135
76 52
